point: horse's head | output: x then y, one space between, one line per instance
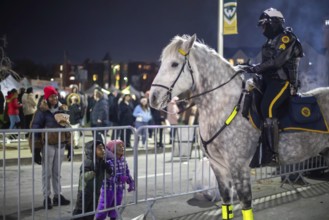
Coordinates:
175 75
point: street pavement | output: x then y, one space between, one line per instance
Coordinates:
271 200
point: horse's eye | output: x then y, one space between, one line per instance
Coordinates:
174 64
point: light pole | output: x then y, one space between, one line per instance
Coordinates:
220 43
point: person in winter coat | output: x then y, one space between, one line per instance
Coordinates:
99 116
13 108
76 115
52 153
114 185
159 118
113 99
29 106
142 113
126 118
92 170
173 117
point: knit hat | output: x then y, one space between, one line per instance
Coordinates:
111 144
48 91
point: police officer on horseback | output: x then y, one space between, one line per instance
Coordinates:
280 60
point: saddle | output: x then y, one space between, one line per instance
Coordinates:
298 113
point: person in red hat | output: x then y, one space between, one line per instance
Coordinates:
51 154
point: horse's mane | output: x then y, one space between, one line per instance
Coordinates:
317 91
177 41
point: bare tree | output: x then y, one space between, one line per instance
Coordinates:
5 63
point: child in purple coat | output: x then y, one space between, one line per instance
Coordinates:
114 185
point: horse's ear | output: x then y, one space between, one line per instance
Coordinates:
190 42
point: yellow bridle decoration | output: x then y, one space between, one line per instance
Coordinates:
181 51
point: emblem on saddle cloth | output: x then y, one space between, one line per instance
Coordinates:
301 114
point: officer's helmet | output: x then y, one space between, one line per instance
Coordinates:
272 22
271 16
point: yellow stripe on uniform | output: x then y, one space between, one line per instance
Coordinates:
270 113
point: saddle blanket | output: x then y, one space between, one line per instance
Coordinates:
302 114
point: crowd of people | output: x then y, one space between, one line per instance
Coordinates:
97 110
25 110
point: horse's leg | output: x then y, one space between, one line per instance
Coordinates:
225 185
241 178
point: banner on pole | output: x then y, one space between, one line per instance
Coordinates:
230 17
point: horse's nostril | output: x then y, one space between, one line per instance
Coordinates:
154 96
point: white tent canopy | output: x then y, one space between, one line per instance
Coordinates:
8 84
25 83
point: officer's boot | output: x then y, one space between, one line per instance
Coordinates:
271 130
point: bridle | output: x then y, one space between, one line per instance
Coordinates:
234 111
186 62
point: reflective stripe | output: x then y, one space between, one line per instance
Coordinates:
227 212
247 214
181 51
270 113
232 116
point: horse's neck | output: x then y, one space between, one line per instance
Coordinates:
216 106
212 74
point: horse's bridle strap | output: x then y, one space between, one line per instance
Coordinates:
186 56
227 122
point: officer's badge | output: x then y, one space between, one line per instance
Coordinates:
306 112
282 47
285 39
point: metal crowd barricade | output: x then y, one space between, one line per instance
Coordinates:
159 172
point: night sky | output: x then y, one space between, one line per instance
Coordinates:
137 30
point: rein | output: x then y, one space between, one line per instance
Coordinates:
228 120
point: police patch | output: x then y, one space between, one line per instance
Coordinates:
306 112
282 47
285 39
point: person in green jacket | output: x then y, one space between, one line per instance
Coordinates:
92 173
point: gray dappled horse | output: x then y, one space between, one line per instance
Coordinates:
187 64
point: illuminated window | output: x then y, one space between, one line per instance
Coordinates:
231 61
139 66
95 77
147 67
240 60
144 76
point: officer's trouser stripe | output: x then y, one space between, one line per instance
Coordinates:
270 113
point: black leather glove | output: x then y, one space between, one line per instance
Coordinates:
37 156
69 150
248 69
107 167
